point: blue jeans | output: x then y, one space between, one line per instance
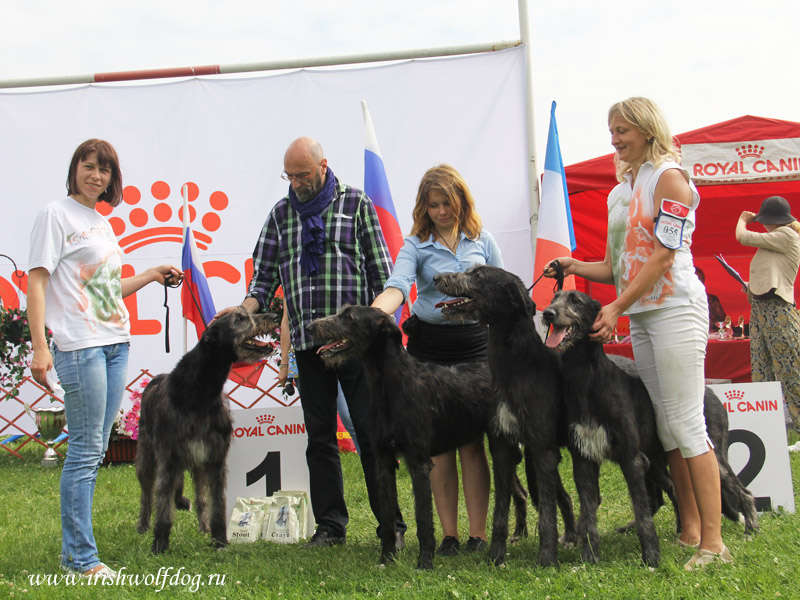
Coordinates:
94 382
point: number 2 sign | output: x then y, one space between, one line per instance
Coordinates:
268 453
757 446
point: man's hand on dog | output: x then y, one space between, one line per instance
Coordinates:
250 304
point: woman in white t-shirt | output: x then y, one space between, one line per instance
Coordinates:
651 217
75 287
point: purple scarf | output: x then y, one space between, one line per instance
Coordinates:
313 229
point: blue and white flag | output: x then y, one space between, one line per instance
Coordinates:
554 236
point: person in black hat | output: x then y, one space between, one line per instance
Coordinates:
774 320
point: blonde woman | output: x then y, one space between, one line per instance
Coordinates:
651 218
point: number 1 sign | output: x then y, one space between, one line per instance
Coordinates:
268 453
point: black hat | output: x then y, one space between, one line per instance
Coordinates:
774 211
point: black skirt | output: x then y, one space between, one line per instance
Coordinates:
446 344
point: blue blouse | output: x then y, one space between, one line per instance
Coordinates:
421 261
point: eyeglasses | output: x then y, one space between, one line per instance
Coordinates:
295 176
299 177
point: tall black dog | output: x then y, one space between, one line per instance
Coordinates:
185 424
611 417
529 411
418 410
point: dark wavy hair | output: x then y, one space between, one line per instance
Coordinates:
106 157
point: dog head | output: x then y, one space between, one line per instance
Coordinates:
243 334
484 292
569 319
352 332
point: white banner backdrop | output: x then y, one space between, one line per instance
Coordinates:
226 138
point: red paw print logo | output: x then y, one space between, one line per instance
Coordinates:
163 223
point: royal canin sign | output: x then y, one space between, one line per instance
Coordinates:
753 161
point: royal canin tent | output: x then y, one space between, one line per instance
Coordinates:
735 165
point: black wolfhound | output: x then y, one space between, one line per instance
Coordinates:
185 424
611 417
529 410
418 410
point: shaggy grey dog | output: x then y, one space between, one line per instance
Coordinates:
185 424
611 417
529 411
418 410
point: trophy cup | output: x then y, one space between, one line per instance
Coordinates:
50 421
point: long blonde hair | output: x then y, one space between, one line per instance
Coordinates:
449 183
646 117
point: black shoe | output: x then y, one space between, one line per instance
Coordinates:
400 541
475 544
323 537
448 547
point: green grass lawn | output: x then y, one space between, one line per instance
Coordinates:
30 541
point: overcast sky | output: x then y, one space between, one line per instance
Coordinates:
702 62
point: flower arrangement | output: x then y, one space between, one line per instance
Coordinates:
15 348
127 422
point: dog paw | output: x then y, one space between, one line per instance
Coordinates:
160 546
183 504
142 527
547 559
568 539
388 557
651 560
588 556
497 558
626 528
425 563
218 544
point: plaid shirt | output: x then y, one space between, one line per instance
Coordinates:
352 269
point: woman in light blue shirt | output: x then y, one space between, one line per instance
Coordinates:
446 237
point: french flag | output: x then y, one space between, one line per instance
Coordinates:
376 186
198 306
555 236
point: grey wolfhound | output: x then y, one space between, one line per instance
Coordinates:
418 410
529 411
185 424
611 417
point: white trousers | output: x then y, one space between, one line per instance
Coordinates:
669 346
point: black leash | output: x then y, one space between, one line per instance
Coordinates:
559 284
169 282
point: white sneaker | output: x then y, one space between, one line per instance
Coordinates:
104 572
795 447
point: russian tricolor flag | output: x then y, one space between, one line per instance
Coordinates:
554 237
376 186
198 306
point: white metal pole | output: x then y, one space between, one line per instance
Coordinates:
533 167
300 63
